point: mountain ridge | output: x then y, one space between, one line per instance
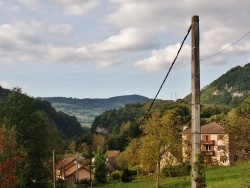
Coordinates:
87 109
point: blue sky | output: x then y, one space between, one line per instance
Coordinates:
106 48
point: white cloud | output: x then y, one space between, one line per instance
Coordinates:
32 4
129 39
60 30
220 21
111 50
138 13
21 41
143 25
63 29
163 58
6 85
78 7
14 36
217 46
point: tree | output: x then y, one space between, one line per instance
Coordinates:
238 128
160 138
35 138
72 146
9 159
126 175
98 141
160 143
101 170
130 157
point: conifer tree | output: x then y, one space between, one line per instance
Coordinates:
101 170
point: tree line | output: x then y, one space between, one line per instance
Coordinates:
28 136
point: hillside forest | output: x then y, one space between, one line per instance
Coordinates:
30 129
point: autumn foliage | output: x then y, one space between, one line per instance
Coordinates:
8 161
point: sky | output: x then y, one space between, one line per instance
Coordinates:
107 48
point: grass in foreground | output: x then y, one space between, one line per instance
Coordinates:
236 176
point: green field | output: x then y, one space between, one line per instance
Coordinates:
84 116
236 176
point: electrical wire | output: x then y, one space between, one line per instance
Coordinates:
152 103
225 48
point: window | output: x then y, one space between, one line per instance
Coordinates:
221 147
208 148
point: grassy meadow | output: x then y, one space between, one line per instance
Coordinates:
237 176
84 116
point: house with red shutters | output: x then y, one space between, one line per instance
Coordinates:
214 144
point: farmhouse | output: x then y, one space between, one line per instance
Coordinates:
214 144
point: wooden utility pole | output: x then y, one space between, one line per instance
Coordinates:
54 175
196 129
90 166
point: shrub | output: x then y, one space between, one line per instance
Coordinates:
126 176
85 181
176 171
115 176
133 172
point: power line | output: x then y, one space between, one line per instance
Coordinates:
225 48
152 103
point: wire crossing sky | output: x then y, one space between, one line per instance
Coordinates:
152 103
102 49
217 53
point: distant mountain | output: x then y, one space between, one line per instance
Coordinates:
87 109
230 89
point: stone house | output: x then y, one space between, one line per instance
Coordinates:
214 144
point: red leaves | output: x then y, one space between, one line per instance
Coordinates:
8 164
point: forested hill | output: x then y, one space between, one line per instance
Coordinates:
109 103
230 89
67 125
87 109
4 92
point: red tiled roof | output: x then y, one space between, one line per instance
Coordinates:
112 153
70 166
111 160
210 128
65 162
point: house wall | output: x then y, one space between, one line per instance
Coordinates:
71 178
214 147
83 174
186 147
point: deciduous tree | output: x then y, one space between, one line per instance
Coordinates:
160 138
238 128
35 138
9 159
